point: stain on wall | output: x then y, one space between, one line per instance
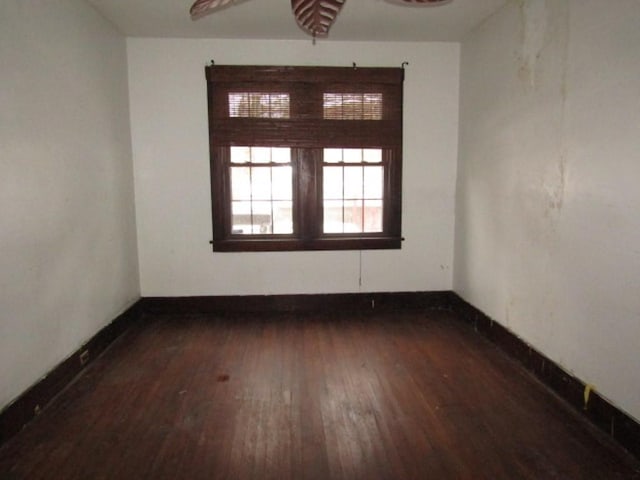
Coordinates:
534 15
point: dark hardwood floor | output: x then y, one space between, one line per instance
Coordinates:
381 396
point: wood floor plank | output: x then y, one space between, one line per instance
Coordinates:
390 395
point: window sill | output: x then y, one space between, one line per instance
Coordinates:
291 244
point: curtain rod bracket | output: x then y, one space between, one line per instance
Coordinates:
404 64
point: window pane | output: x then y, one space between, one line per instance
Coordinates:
332 155
282 183
373 178
260 154
352 216
282 217
261 213
332 183
353 187
251 217
241 217
241 183
240 154
261 183
372 155
343 217
352 155
281 155
333 216
373 215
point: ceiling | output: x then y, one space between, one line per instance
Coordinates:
359 20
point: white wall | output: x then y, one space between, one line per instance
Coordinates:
68 262
547 216
171 163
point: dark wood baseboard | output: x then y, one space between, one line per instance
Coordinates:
622 428
323 303
32 401
600 412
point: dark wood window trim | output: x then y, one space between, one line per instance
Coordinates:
306 132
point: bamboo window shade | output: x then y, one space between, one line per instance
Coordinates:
305 107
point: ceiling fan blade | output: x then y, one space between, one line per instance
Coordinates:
203 7
316 16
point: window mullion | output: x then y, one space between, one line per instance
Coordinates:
344 200
271 209
308 181
362 200
251 199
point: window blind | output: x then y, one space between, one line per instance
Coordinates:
306 107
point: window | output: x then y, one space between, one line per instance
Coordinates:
352 190
261 190
305 158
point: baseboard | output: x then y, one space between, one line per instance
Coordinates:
324 303
22 410
598 410
608 418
